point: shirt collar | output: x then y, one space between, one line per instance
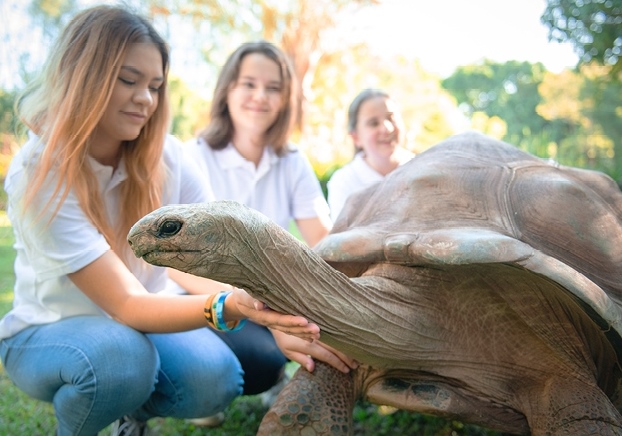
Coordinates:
230 157
107 176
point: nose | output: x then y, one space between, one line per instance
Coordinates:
260 93
143 96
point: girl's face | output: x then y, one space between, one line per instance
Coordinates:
255 98
134 96
378 128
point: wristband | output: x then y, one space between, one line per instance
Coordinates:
207 311
217 317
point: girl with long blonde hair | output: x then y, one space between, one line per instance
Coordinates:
94 330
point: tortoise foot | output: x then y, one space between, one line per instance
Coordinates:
318 403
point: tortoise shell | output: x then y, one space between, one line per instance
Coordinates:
474 199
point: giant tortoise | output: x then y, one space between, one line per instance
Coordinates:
477 282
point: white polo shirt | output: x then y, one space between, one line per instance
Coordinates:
282 188
47 253
355 176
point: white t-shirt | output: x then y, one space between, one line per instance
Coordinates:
282 188
355 176
47 253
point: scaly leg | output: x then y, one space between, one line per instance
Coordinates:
318 403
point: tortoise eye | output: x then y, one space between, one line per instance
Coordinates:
169 228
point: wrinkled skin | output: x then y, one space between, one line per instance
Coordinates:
476 283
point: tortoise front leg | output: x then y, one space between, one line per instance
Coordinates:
317 403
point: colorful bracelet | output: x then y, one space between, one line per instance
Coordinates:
214 313
207 311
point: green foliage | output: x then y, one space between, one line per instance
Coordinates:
190 111
8 119
372 420
52 15
572 117
508 91
592 27
604 110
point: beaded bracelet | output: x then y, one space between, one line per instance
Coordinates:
214 313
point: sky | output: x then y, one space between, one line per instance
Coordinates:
441 34
444 34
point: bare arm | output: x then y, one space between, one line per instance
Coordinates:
313 229
196 285
110 285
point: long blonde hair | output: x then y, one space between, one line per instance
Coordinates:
65 103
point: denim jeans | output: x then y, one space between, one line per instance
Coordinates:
261 359
95 370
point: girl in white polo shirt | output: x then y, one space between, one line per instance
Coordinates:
246 153
90 329
375 125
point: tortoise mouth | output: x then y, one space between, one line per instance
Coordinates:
156 257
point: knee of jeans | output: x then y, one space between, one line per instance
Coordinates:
228 377
220 386
133 363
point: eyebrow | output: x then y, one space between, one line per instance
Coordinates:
139 73
271 82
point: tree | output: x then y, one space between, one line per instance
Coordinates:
297 26
603 107
508 91
593 27
429 112
579 140
52 15
189 112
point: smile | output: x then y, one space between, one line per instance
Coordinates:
135 116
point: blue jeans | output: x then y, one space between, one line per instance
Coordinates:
95 370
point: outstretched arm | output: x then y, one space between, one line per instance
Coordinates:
313 230
110 285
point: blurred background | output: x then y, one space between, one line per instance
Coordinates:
544 75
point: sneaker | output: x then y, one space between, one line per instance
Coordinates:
269 397
209 421
128 426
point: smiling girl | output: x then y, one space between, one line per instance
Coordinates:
91 329
246 152
375 125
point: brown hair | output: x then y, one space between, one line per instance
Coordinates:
65 103
219 131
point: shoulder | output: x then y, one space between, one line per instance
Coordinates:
404 155
177 153
172 151
348 169
293 155
172 144
28 155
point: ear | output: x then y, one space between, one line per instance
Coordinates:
355 139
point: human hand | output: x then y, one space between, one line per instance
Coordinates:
303 352
240 302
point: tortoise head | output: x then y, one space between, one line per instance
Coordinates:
207 240
221 240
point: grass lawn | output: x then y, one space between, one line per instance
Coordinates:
21 415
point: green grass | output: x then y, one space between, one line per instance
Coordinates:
22 415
